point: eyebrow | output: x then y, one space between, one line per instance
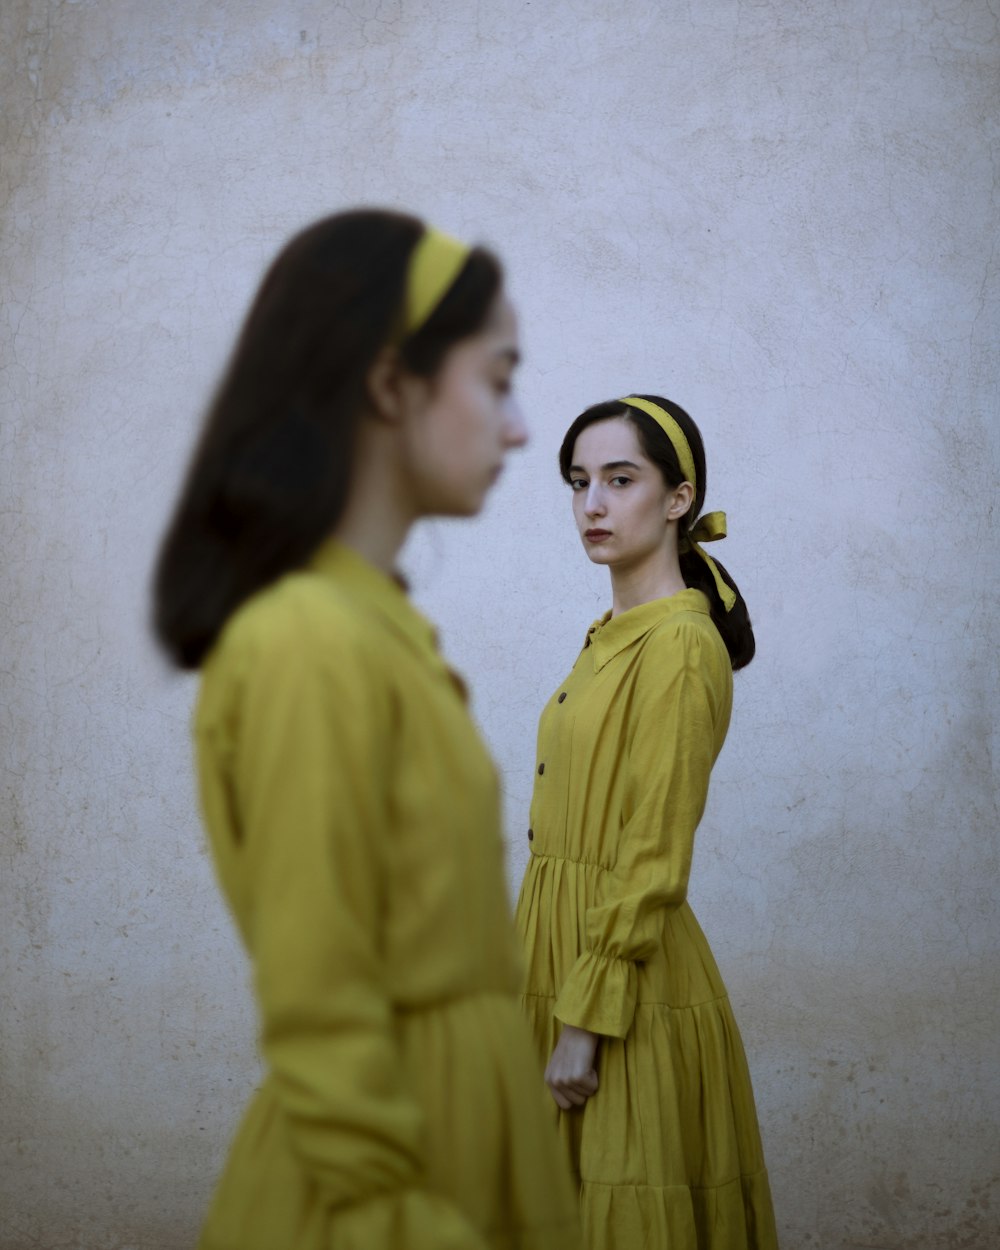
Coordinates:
612 464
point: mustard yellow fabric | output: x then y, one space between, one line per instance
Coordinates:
667 1153
353 818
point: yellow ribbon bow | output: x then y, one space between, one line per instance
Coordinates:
709 529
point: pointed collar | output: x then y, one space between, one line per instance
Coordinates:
362 580
610 635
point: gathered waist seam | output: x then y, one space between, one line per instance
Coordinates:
566 859
437 1004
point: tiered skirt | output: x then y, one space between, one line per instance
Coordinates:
667 1153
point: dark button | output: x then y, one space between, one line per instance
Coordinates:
562 696
541 769
531 835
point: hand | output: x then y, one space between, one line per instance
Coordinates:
570 1074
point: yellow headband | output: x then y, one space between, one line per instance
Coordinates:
678 439
710 527
435 263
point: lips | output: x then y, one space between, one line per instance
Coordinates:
596 536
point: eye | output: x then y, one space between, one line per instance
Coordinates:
620 480
578 483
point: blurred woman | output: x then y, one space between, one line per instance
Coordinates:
351 807
630 1015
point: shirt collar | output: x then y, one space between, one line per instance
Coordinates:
610 635
385 593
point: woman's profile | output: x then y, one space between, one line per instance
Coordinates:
351 807
630 1015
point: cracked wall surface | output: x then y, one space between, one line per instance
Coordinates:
781 213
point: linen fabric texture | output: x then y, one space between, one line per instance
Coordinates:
667 1153
353 817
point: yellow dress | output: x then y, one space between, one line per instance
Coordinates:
353 818
667 1153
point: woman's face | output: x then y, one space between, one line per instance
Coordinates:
621 503
457 442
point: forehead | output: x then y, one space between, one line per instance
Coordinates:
497 341
605 441
502 320
499 330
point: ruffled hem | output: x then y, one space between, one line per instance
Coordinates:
735 1216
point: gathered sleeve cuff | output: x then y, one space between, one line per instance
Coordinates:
599 995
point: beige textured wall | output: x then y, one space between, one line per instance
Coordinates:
783 214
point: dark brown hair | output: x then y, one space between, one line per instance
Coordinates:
734 625
270 475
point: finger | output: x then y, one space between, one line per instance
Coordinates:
565 1088
590 1082
569 1090
562 1103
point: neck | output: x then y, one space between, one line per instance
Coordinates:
379 512
656 577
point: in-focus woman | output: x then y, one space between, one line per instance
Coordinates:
351 807
630 1016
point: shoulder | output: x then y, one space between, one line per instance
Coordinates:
684 668
684 659
300 608
686 638
301 629
299 653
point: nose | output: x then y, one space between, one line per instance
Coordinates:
515 430
594 503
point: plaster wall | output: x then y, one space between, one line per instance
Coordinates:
781 213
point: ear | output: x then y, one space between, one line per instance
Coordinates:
681 502
392 388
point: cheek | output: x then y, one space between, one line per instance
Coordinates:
469 415
654 514
447 432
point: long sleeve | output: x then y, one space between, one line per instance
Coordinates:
669 746
312 790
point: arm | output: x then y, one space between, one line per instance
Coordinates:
312 784
670 746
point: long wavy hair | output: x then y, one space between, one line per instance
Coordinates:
270 475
